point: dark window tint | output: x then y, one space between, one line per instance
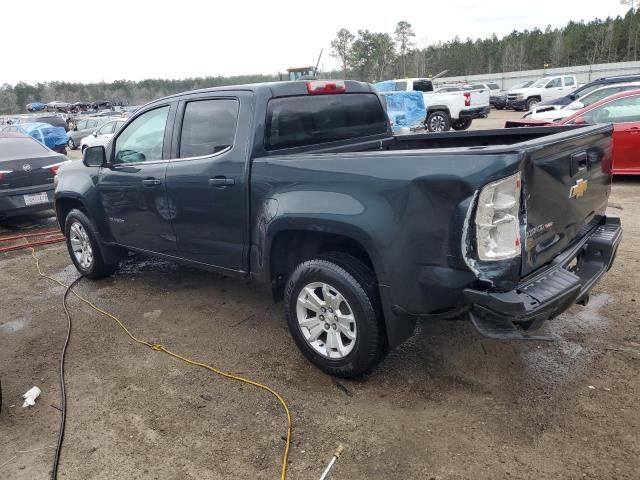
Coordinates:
422 85
209 126
17 147
493 86
311 120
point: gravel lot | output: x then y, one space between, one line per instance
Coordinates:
446 405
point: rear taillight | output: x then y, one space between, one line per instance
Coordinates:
320 87
4 172
467 99
498 219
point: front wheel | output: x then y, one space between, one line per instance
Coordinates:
83 246
333 312
532 102
71 144
438 121
461 124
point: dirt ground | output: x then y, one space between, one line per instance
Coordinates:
448 404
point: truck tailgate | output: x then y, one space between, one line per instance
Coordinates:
566 188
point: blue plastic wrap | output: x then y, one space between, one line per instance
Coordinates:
405 109
44 133
386 86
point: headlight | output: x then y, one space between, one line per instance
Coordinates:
497 219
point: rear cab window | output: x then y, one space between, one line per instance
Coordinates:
316 119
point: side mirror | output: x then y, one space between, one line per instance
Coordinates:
572 96
577 105
579 121
94 156
95 134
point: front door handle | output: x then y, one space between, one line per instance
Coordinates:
151 182
634 130
221 181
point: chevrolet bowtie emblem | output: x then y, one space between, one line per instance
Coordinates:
579 188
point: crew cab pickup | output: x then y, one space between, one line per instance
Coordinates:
448 109
302 186
542 90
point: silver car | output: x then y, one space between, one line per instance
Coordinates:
83 128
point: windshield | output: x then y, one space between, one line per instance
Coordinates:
581 92
522 85
540 83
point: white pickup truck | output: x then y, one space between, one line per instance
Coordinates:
447 109
543 89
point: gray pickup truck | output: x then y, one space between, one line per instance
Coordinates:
302 186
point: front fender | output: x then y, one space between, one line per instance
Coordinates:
78 183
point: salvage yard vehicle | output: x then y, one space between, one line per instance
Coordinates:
623 110
27 170
445 109
102 135
84 126
556 113
588 88
544 89
302 186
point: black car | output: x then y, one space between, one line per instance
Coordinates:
589 87
27 169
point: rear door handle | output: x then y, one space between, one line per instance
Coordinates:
634 130
221 181
151 182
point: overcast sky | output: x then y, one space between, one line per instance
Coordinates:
88 41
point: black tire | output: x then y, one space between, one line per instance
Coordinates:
357 283
97 268
532 102
461 124
438 121
501 107
71 144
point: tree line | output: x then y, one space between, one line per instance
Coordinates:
14 98
374 56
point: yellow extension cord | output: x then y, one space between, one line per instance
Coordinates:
160 348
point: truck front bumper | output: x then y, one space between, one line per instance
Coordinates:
517 104
478 112
549 291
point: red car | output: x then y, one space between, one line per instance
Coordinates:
621 109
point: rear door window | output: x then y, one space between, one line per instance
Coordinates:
569 82
209 127
316 119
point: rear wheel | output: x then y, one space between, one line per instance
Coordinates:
71 144
461 124
438 121
333 313
83 246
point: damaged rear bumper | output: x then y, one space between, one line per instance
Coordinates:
549 291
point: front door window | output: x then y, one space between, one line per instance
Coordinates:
143 139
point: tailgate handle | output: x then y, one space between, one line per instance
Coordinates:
579 163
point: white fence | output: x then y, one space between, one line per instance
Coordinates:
585 74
